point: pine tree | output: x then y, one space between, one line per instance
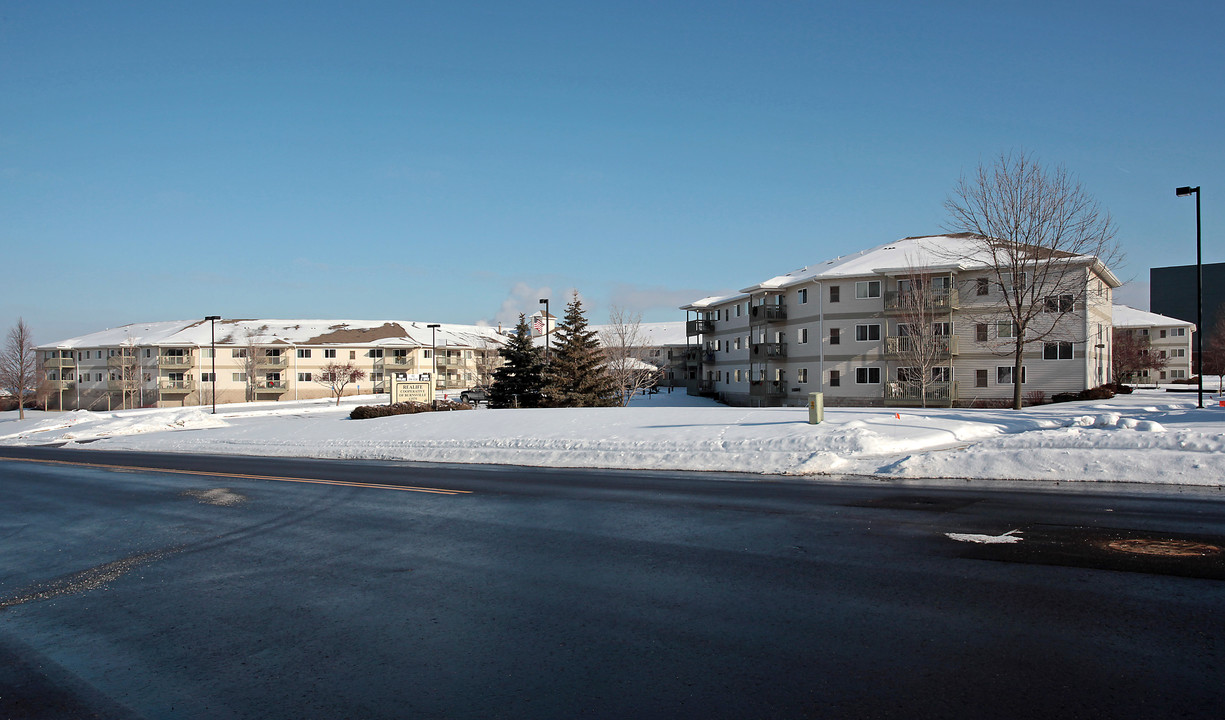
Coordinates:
519 381
576 375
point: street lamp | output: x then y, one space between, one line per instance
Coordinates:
545 302
212 329
434 358
1199 293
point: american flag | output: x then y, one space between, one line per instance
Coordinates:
538 325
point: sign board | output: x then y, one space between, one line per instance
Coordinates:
411 391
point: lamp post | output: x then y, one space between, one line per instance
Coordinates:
212 330
434 359
1199 293
545 302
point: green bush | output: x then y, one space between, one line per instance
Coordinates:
364 412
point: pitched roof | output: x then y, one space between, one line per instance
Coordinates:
1127 317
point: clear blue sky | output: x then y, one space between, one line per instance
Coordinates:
455 161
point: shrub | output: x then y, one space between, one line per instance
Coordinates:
1119 388
1035 397
1101 392
364 412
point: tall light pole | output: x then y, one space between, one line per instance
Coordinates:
545 302
434 359
212 330
1199 292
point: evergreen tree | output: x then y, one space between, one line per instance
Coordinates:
576 375
519 381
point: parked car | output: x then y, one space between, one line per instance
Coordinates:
475 396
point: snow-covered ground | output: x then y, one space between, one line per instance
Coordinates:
1150 436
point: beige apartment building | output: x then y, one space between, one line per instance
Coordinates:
1169 338
179 363
842 328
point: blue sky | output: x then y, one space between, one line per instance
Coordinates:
456 161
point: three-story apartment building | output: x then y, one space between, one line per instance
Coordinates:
165 364
851 328
1169 338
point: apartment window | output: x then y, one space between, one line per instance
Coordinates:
376 352
867 375
98 376
718 376
835 336
329 354
942 374
802 376
1057 351
980 333
1006 329
865 289
1063 304
376 377
1178 332
803 335
737 342
942 329
304 377
1021 279
208 377
737 376
206 353
835 378
147 351
1178 352
908 374
238 352
982 286
718 345
352 354
1176 374
835 293
304 352
737 309
980 378
803 293
867 333
1003 375
238 377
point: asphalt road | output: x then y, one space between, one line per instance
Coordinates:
223 587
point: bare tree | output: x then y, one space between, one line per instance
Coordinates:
486 360
624 344
248 355
1131 354
125 373
922 344
19 372
1042 238
336 376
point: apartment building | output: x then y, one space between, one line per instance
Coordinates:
845 328
1169 338
166 364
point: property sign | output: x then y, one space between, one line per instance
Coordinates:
411 391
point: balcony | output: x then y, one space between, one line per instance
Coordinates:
115 361
175 361
767 313
396 361
933 300
767 388
271 360
175 387
60 362
271 386
697 327
61 385
909 393
769 350
692 357
943 345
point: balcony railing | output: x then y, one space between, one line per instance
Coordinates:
175 360
769 350
121 360
933 300
905 345
397 361
60 362
912 392
172 387
271 360
768 313
768 388
697 327
271 386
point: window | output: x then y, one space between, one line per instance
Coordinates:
865 289
1056 351
980 333
737 309
304 352
238 377
238 352
835 293
1006 329
208 377
737 341
1003 375
982 286
376 352
1063 304
1162 333
329 354
835 378
1178 332
942 374
803 335
867 375
427 354
867 333
737 376
908 374
304 377
206 353
1020 283
1175 374
98 376
802 374
941 329
835 336
980 378
1178 352
803 295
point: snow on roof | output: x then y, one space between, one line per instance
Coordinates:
656 334
953 252
188 333
712 301
1126 317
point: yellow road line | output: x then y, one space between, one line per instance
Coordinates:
208 473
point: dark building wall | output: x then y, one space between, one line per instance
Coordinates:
1172 292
